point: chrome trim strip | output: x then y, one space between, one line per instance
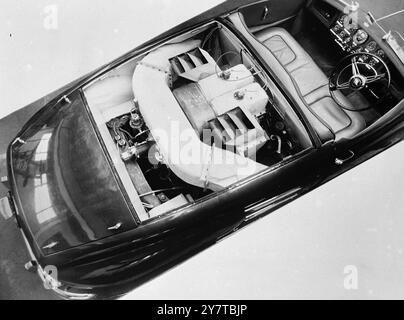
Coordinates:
264 206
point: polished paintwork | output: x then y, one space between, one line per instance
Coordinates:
113 265
64 184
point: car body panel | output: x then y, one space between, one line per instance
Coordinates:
54 169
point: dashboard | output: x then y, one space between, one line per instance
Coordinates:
350 36
353 39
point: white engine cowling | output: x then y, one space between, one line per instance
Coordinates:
178 141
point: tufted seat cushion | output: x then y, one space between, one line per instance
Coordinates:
312 84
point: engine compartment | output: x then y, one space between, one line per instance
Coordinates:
193 116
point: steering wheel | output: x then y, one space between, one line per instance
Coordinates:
357 72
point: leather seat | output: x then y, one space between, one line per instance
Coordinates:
312 84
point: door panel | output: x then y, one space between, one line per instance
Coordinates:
372 141
270 11
286 183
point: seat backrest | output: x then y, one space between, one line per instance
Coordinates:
283 78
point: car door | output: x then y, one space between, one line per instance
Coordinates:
267 12
290 181
219 216
383 134
328 162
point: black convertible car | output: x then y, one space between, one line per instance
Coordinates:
192 136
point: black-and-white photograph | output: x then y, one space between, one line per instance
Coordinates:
202 150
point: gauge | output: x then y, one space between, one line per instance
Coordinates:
374 62
342 34
361 36
343 18
348 23
371 46
380 53
363 58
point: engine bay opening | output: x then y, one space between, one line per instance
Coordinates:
192 117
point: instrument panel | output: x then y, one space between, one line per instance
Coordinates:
353 39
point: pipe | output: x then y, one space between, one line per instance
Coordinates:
279 140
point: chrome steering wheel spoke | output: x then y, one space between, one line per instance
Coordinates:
355 68
375 78
354 74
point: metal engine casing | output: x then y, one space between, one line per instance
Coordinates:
215 96
170 116
226 107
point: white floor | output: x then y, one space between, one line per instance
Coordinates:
41 51
353 224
